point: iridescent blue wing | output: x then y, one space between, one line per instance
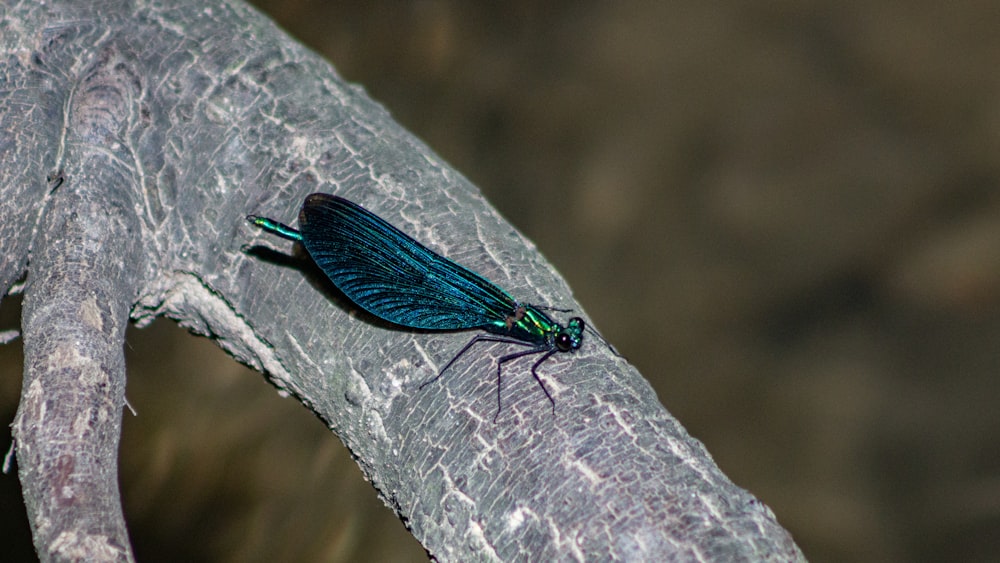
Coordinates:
392 276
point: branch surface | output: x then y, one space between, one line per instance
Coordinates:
168 123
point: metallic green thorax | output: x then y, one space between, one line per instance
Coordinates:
528 324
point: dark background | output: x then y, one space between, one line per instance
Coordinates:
786 214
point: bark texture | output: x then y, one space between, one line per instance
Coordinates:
138 135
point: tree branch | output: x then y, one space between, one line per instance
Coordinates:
82 282
169 123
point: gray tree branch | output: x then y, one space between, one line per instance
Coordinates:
136 137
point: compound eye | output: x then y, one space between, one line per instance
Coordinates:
564 343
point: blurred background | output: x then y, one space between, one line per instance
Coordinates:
786 214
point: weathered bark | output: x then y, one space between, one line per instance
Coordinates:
137 137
